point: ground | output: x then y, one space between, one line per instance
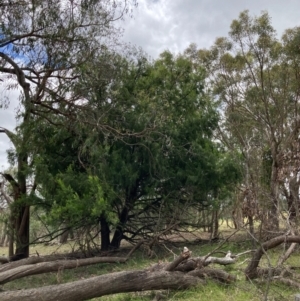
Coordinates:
198 244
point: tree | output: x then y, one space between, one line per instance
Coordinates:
157 162
254 77
42 45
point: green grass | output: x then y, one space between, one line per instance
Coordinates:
238 291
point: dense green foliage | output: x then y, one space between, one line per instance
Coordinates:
153 160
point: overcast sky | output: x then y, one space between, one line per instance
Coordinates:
159 25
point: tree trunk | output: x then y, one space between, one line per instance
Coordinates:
11 233
273 218
105 234
22 209
251 230
293 198
215 224
118 235
131 196
22 232
11 243
204 220
64 236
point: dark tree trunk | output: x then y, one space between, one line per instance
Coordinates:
22 210
22 232
131 196
118 235
293 198
105 234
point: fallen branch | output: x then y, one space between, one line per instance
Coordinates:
286 281
183 256
252 270
161 276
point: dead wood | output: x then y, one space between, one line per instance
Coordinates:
252 270
43 259
286 281
287 254
213 273
199 262
272 272
53 266
68 256
164 276
105 285
185 264
4 259
183 256
37 259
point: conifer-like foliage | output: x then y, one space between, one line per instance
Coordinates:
153 162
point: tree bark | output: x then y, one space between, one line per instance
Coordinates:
20 210
46 267
105 285
64 237
293 198
252 270
51 258
273 220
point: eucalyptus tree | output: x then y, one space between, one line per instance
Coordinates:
254 76
42 45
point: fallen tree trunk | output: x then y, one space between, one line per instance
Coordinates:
4 259
63 257
161 277
104 285
36 260
54 266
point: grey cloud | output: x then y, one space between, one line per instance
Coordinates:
174 24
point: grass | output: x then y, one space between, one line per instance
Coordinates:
240 290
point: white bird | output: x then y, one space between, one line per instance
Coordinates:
185 249
228 255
